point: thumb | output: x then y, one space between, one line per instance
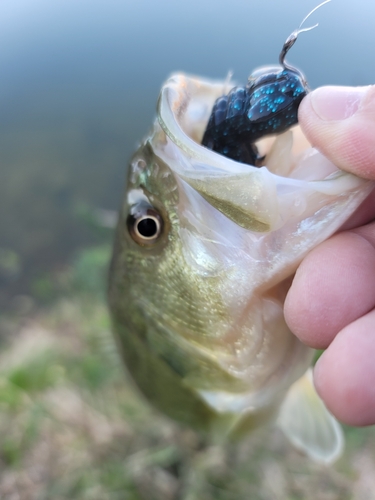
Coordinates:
340 122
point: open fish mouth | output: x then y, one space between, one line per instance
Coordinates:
291 174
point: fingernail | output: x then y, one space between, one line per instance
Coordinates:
336 103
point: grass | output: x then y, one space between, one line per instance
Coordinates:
73 425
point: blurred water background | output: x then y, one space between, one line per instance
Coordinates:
78 89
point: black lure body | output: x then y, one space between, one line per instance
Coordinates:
267 105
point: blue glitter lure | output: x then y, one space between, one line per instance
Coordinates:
267 105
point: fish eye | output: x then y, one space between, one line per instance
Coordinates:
145 225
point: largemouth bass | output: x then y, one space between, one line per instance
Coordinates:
204 254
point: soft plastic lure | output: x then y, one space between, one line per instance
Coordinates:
267 105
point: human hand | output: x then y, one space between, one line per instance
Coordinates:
331 303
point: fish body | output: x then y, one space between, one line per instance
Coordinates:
204 254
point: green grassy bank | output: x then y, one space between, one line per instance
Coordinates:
72 426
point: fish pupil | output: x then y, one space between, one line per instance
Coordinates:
147 227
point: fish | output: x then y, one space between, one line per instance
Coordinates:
204 254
